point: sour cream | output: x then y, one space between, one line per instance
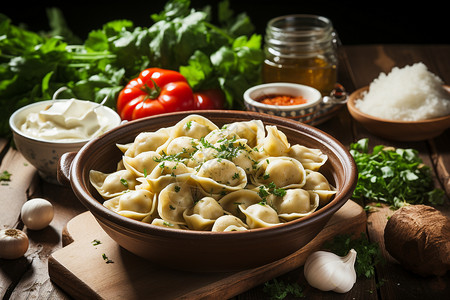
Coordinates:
67 120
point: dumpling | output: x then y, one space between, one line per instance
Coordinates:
245 159
253 131
218 175
135 204
194 126
124 147
162 223
203 215
311 159
260 215
112 184
221 136
142 164
318 183
173 200
166 172
275 143
201 156
296 203
228 223
148 141
284 172
245 197
182 147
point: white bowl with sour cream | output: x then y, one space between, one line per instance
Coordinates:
43 131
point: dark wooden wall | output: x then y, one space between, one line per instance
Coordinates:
357 22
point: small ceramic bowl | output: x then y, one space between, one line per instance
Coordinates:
45 154
315 110
205 250
406 131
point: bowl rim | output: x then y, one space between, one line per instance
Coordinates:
298 86
12 122
352 108
138 227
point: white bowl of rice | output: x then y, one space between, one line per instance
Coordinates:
407 104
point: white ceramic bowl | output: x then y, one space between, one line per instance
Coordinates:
308 113
44 154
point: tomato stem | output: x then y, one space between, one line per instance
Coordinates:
153 92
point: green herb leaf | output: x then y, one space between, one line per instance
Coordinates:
106 259
124 182
279 289
5 176
96 242
368 254
393 176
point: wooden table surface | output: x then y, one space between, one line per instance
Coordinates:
28 278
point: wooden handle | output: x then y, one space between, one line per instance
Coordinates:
63 172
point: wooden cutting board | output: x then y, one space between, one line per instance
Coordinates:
81 268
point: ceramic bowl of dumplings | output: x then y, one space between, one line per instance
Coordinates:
187 213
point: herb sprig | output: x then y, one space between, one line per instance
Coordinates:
271 188
368 254
393 176
279 289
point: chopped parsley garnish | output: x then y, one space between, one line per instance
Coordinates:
5 176
124 182
177 188
266 190
96 242
179 157
236 176
226 148
106 259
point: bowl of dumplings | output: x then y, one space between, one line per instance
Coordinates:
212 191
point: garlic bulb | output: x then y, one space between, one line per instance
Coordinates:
13 243
327 271
37 213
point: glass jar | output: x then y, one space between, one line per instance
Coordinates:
301 49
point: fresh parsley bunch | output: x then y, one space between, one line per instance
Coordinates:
226 56
393 176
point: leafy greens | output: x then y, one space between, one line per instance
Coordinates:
368 253
393 176
34 65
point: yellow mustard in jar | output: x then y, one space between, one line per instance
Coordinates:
301 49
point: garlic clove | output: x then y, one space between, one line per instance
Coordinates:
37 213
13 243
327 271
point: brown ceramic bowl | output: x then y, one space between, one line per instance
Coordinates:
397 130
200 250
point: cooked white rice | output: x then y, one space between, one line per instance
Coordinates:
406 94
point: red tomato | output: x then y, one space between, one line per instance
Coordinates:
209 99
155 91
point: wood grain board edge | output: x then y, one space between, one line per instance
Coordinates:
78 289
350 219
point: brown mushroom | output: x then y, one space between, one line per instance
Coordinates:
418 237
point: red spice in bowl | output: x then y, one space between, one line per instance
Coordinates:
282 100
